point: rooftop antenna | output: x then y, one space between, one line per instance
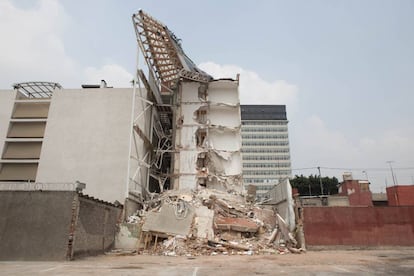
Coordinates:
392 172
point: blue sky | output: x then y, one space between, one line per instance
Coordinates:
345 69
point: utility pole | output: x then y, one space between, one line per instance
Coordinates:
320 180
392 171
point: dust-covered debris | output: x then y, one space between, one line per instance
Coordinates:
210 222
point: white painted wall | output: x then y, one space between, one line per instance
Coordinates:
223 136
189 92
230 164
281 197
87 139
224 140
7 98
187 112
223 91
225 116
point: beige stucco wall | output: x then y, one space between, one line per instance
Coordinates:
6 107
87 139
338 201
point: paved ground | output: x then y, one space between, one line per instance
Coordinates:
331 262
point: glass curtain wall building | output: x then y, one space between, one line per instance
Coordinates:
265 146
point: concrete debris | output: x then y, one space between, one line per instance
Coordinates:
120 252
172 218
127 236
210 222
132 219
236 224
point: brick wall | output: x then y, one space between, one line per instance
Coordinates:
356 195
359 226
400 195
95 228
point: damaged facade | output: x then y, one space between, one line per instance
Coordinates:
200 141
207 137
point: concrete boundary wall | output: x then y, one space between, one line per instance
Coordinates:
359 226
95 228
54 225
34 225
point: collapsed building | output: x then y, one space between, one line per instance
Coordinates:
198 141
198 205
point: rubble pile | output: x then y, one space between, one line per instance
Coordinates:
210 222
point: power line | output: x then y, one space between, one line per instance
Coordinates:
302 169
355 169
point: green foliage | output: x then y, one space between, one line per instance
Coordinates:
306 184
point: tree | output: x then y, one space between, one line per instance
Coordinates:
310 185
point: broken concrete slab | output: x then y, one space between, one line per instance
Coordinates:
230 235
171 219
267 216
204 222
284 229
127 236
236 224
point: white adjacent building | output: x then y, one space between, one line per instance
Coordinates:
60 136
265 146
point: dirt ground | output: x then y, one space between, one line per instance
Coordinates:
326 262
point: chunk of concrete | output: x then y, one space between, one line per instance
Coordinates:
267 216
236 224
172 219
127 237
204 222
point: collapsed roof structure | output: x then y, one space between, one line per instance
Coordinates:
163 53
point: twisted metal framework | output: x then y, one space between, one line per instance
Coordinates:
163 53
37 89
168 65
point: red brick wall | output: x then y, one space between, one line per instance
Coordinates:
361 199
352 189
359 226
400 195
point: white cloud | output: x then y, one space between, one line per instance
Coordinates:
255 90
113 74
313 144
32 48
